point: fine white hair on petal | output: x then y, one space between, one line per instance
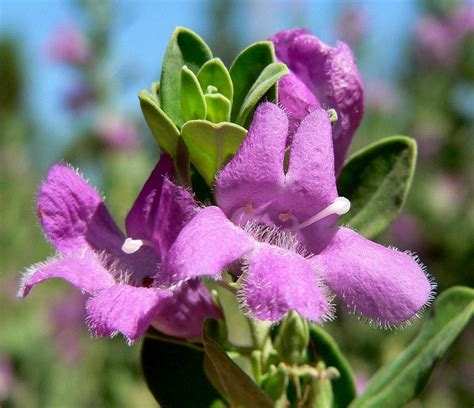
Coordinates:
318 281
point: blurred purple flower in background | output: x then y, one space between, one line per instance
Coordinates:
7 378
78 97
438 39
352 25
67 317
407 233
117 132
68 45
381 96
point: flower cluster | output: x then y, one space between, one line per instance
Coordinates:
272 228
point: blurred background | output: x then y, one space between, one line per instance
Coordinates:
69 75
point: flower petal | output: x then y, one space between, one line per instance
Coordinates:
176 208
81 268
297 99
256 172
331 73
283 40
125 309
385 285
204 247
73 214
278 281
183 314
141 218
311 181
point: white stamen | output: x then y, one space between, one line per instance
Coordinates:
340 206
130 246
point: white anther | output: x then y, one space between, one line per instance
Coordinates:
130 246
340 206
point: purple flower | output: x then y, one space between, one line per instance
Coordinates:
114 270
78 97
68 45
439 39
276 218
117 132
352 25
320 76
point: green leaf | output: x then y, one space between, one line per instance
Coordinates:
218 108
161 126
246 69
376 180
266 80
326 348
214 73
175 375
184 48
155 91
193 104
398 382
211 145
227 377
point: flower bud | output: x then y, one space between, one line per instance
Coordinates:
292 339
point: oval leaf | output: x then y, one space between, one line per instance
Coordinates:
193 105
344 390
246 69
171 368
398 382
266 80
161 126
211 145
214 73
227 376
376 180
218 108
184 48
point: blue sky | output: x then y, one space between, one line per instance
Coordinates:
143 27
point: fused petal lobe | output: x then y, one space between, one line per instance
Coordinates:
385 285
278 281
125 309
204 247
141 218
256 173
72 213
81 268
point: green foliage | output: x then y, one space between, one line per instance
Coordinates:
227 376
376 180
326 348
246 70
174 374
193 104
161 126
184 48
263 86
404 378
211 146
218 108
214 73
292 339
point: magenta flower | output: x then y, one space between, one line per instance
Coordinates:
68 45
277 220
320 76
113 270
117 132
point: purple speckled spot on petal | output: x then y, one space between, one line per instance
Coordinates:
385 285
278 281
